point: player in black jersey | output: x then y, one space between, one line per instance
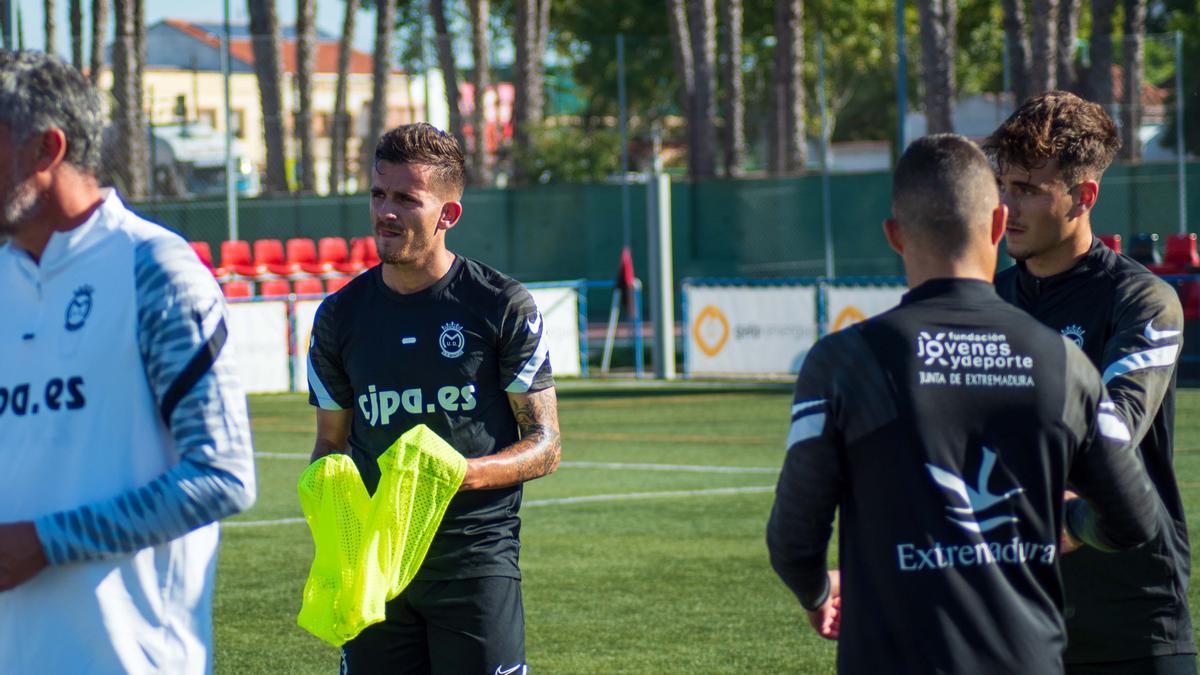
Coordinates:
1126 613
434 338
944 432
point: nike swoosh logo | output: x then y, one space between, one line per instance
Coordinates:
510 671
1156 335
535 326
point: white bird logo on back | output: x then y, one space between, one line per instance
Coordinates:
977 498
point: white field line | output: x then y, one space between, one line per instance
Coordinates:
621 466
563 500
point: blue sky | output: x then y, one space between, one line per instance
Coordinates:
329 18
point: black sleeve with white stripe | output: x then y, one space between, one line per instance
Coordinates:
524 350
1139 359
328 384
1121 508
806 496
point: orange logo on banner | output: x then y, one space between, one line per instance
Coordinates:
849 316
707 317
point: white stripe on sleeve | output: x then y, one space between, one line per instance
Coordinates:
1151 358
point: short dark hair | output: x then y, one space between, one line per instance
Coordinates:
943 187
39 92
1057 125
425 144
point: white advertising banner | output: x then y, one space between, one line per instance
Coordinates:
749 330
846 306
258 333
560 317
305 312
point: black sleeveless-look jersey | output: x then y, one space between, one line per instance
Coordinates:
445 357
1130 324
944 433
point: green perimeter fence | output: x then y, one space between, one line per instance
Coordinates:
762 227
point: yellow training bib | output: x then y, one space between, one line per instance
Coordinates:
368 548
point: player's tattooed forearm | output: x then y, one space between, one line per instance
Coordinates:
537 418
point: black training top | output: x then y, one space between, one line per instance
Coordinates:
944 431
1129 323
445 357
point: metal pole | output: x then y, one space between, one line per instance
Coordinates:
662 286
231 211
626 233
901 79
1180 150
826 223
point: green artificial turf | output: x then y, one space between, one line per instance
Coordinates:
634 581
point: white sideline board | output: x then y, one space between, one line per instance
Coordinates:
258 335
304 313
559 306
846 306
560 315
749 330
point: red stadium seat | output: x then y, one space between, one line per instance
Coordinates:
1181 251
268 256
363 249
274 288
334 252
335 284
237 289
235 258
1113 241
204 253
309 286
1189 297
302 253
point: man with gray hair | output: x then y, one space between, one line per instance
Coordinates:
944 431
123 429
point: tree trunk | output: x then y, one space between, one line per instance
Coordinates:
524 42
681 51
127 155
938 27
99 26
264 41
1068 33
1133 57
51 29
306 38
1043 71
75 10
702 24
480 170
1017 41
734 105
341 127
1100 84
537 76
786 149
381 69
445 56
139 59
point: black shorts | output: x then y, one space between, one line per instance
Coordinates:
455 627
1178 664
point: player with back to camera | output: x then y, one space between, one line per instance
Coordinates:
943 432
123 429
1126 613
430 337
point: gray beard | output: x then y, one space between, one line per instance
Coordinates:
16 208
